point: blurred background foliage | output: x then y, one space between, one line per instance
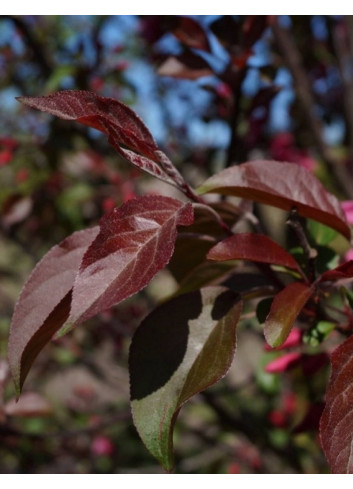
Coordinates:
214 91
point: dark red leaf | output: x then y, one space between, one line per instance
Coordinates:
283 185
339 273
311 420
134 243
189 32
90 109
44 303
227 30
252 247
336 424
187 65
119 122
253 28
285 308
194 241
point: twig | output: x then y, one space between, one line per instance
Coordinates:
233 148
309 252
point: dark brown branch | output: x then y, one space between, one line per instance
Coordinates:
292 59
309 252
233 155
344 59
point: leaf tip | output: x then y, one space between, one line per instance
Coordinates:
273 334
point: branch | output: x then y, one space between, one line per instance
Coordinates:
292 59
344 48
233 148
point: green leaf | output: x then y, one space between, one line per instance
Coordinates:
180 349
323 235
318 333
349 295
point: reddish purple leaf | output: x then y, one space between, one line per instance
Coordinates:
253 28
252 247
227 31
336 424
119 122
44 303
189 32
283 185
285 308
311 420
338 273
134 243
187 65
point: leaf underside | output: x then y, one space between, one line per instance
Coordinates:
180 349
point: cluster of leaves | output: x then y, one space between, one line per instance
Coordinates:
206 237
188 343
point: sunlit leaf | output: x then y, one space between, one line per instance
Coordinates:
133 244
121 124
44 303
92 270
285 308
283 185
180 349
336 424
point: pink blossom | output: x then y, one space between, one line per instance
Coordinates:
102 445
281 364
